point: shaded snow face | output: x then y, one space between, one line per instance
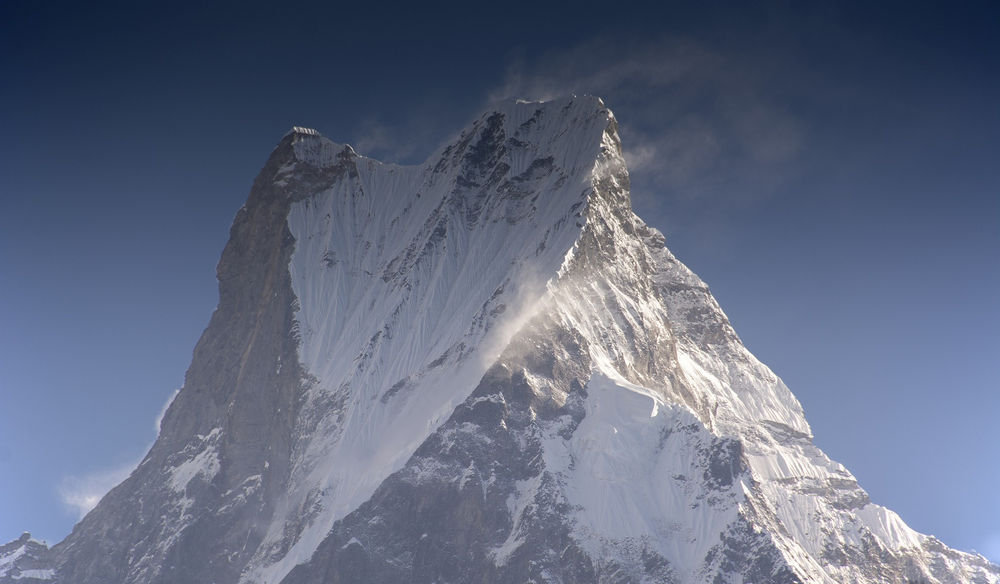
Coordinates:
410 280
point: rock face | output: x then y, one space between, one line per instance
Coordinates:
482 369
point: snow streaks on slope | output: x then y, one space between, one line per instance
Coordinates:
410 280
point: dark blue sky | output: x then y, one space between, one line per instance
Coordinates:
830 171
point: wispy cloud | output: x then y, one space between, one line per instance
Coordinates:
604 64
163 411
407 141
698 122
81 493
991 548
378 140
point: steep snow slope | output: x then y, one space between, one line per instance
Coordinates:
403 276
484 368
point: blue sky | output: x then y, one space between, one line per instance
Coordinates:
829 171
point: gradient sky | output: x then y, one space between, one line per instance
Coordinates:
832 172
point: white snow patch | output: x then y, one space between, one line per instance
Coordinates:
634 478
204 464
6 562
84 492
524 494
47 574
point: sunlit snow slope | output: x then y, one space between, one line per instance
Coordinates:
486 369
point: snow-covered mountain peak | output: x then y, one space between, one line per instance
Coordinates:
411 280
499 155
310 147
482 368
569 130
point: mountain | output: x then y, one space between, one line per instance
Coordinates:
485 368
25 560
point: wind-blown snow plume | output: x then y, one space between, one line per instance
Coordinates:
82 493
